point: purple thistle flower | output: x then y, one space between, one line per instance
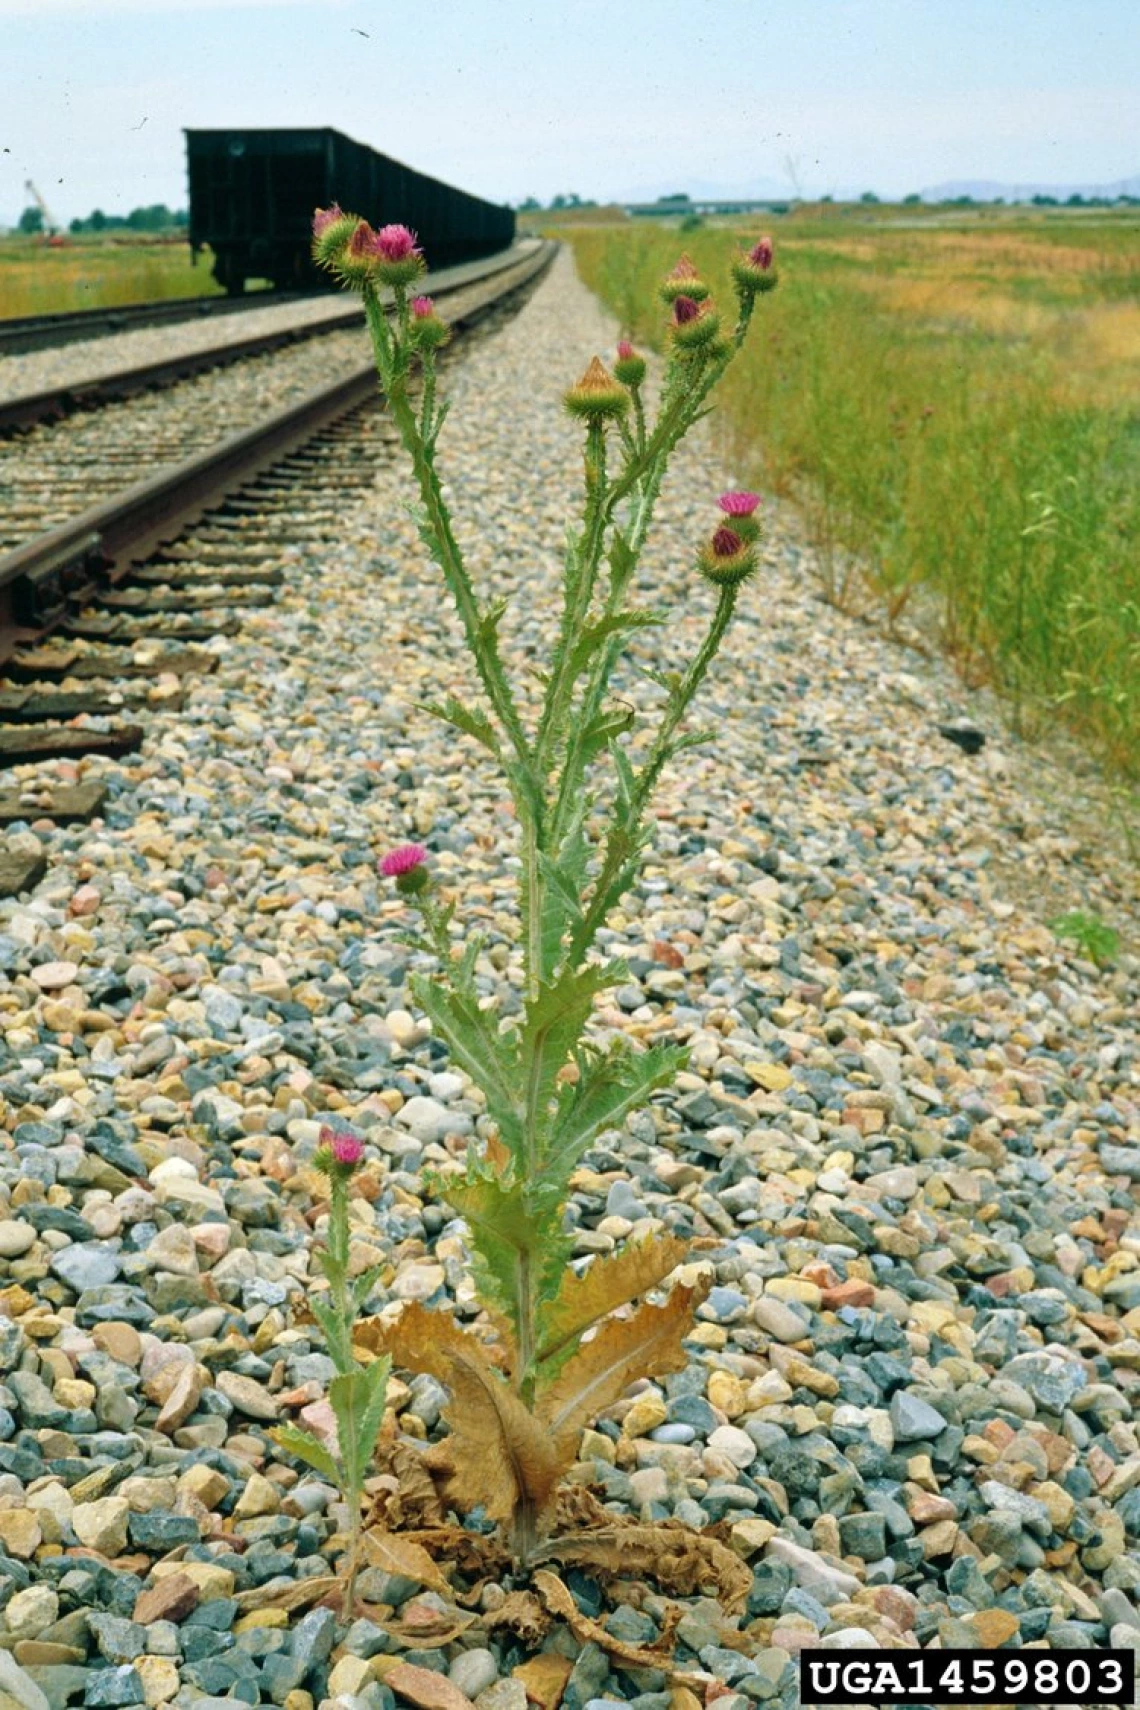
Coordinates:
395 243
685 309
422 308
624 349
347 1150
402 860
762 254
738 504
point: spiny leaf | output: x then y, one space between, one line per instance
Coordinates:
502 1230
605 1285
623 560
561 903
489 620
552 1024
610 722
376 1391
626 784
693 739
306 1448
488 1057
646 1345
503 1458
614 626
467 719
607 1089
509 1221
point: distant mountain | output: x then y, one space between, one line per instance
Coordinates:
987 190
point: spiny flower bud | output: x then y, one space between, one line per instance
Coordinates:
694 324
753 272
684 281
339 1153
726 559
406 866
597 395
332 228
740 507
428 332
399 259
629 367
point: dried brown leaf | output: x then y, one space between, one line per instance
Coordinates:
416 1501
399 1555
559 1600
427 1629
290 1597
646 1345
680 1560
502 1456
522 1614
605 1285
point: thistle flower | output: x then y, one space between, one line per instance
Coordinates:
399 259
339 1153
629 367
694 324
727 558
402 860
740 507
753 271
406 866
738 504
597 395
683 281
332 228
428 332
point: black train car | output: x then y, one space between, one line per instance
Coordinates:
252 195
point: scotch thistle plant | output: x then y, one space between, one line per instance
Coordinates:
567 1348
358 1392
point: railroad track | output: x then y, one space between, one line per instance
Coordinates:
111 610
22 334
52 403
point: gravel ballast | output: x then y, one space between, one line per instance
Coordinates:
908 1141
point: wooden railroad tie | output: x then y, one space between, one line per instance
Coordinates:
66 804
48 663
22 743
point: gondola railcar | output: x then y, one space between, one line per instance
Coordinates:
252 195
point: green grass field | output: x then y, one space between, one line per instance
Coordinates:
96 273
953 402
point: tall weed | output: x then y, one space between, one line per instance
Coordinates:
934 456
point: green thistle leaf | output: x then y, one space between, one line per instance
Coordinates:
552 1025
608 1088
467 719
490 1058
306 1448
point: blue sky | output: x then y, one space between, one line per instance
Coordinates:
603 97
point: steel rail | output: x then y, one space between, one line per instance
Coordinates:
22 334
30 408
42 578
